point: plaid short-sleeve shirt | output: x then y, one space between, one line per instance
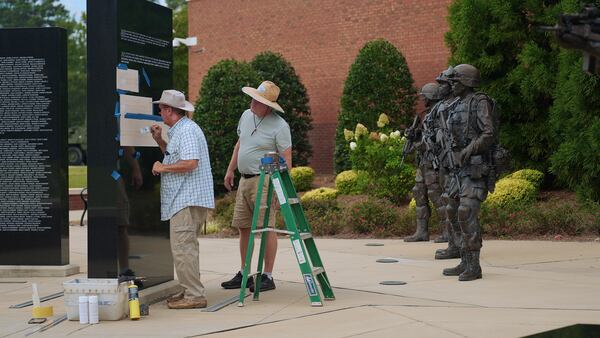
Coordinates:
193 188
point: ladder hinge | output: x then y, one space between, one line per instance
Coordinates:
305 235
293 200
318 270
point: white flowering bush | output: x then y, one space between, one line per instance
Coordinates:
379 155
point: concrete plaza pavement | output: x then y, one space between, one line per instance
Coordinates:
527 287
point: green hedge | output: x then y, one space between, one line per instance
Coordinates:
218 110
379 81
302 177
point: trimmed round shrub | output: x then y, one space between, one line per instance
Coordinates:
379 81
218 110
351 182
319 194
292 98
302 177
375 216
536 177
511 193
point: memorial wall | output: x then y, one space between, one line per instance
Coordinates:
33 142
129 65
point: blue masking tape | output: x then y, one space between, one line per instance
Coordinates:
137 155
146 77
147 117
121 91
117 109
115 175
121 152
118 137
122 66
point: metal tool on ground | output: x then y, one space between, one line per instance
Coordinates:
274 169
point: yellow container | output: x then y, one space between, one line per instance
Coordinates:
42 311
134 302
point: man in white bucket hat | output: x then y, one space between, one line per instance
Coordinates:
260 130
186 193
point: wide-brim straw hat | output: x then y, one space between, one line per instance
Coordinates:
267 93
176 99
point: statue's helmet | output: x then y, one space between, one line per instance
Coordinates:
467 75
431 91
445 75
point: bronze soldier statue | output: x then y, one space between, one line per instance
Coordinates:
470 136
439 115
427 187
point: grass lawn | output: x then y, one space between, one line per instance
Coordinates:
77 176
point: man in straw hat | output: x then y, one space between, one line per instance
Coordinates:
260 130
186 193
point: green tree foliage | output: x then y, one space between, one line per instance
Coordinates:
218 109
379 81
180 54
575 119
293 99
77 72
32 13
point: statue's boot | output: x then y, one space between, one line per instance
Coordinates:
460 268
473 270
443 238
444 225
452 251
421 234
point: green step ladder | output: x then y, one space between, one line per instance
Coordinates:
297 229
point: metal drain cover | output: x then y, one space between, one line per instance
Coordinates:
387 260
393 282
374 244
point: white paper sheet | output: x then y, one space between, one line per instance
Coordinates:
133 130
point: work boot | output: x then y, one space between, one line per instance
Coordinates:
443 238
473 270
421 235
236 282
175 297
449 253
266 284
188 303
460 268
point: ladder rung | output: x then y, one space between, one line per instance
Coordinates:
272 230
293 200
305 235
318 270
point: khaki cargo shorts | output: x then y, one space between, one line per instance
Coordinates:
245 200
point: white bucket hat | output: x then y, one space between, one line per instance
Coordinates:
176 99
266 93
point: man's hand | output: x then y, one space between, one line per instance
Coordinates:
157 168
228 181
156 132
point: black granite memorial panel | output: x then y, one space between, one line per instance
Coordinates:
34 220
125 233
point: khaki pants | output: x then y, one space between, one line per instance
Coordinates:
245 200
185 226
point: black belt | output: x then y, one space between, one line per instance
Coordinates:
246 176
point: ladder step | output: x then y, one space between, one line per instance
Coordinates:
293 200
305 235
318 270
272 230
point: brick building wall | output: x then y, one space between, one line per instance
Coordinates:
321 40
